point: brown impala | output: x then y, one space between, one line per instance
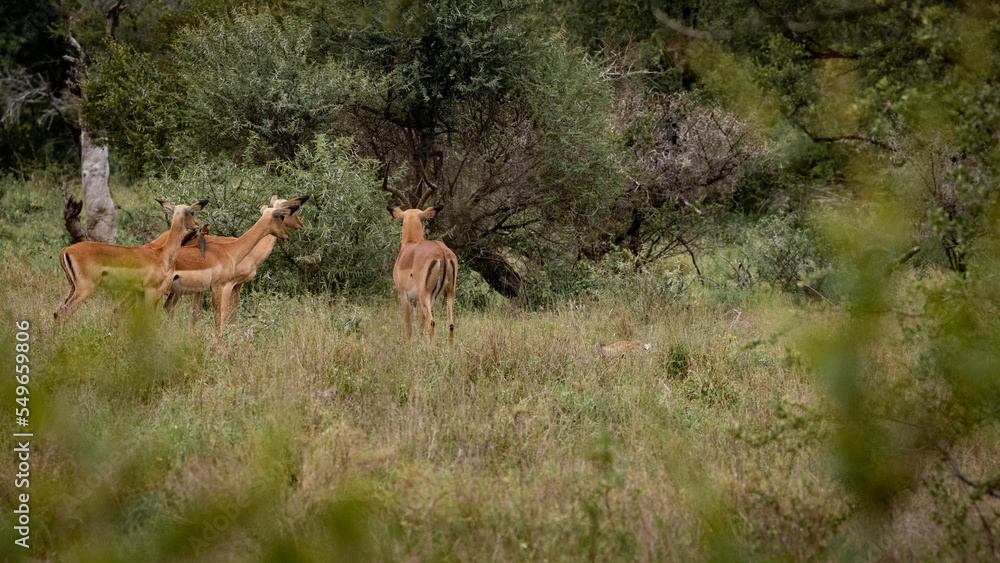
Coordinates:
147 269
424 268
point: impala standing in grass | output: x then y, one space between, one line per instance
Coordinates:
216 270
247 268
424 269
147 269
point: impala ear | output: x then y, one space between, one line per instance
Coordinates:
290 202
165 205
189 236
395 211
274 198
199 206
284 212
430 212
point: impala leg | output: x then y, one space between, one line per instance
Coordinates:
196 301
72 290
171 302
151 298
428 314
78 293
217 306
234 303
220 306
404 304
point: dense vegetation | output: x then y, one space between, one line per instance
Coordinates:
795 203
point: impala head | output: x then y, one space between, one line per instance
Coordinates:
292 221
185 213
276 225
414 220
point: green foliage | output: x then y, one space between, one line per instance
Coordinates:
512 123
242 84
435 56
250 86
349 239
783 252
130 100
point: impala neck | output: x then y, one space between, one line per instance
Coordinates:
413 231
172 239
262 250
242 246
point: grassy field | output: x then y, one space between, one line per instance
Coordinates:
311 430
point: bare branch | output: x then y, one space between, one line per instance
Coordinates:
722 35
400 196
112 16
19 89
431 186
690 253
987 487
79 62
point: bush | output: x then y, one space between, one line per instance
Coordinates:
783 252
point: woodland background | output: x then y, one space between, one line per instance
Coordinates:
794 202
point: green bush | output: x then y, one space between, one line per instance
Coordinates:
250 77
783 252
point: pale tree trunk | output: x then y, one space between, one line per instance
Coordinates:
102 217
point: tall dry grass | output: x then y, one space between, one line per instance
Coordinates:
310 430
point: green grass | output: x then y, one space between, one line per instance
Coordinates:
311 430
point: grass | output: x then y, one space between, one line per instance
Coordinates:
311 430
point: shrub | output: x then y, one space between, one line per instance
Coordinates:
786 254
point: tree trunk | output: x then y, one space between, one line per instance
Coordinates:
102 217
495 269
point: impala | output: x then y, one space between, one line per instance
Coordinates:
247 268
621 347
147 269
216 270
424 269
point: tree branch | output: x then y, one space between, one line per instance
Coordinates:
863 138
722 35
988 488
112 16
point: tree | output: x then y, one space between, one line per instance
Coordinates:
102 217
512 124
